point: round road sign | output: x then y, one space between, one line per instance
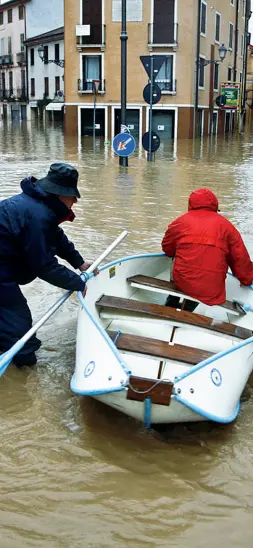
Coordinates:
156 94
155 141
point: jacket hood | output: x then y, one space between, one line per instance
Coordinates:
203 198
31 187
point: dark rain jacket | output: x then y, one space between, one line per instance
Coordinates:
204 244
30 239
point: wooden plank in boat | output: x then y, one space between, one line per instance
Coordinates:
167 313
158 348
156 283
141 388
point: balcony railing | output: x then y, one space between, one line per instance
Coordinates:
167 86
21 58
158 37
86 86
96 38
17 94
6 60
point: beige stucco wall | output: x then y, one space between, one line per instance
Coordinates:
228 14
137 45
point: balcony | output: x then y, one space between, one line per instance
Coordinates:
86 86
167 86
6 60
11 95
160 38
90 36
21 58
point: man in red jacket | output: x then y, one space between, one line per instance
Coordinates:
204 244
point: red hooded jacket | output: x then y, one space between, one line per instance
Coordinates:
204 244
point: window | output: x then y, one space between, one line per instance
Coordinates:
201 72
57 84
9 12
91 71
21 12
243 8
11 82
217 27
232 2
229 74
242 45
231 36
203 13
1 18
240 77
2 46
46 86
164 77
45 55
215 122
22 47
216 77
23 80
9 45
57 52
32 87
32 56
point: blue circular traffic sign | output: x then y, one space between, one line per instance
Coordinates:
124 144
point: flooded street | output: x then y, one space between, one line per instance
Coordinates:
73 472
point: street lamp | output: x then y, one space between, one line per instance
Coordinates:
41 52
222 53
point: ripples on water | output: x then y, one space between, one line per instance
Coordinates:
73 472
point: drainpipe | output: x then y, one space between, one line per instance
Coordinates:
245 61
236 40
26 57
196 101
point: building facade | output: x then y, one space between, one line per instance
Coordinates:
188 32
45 69
249 85
13 81
45 72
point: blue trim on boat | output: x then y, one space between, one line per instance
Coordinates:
104 334
94 392
147 412
208 416
130 258
213 359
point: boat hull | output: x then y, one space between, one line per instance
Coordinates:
209 390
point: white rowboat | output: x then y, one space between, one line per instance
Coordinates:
156 363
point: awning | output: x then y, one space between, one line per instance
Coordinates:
54 106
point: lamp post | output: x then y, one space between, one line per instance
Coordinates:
123 161
41 52
222 53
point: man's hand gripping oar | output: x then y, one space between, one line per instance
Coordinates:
6 358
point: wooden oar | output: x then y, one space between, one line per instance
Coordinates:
7 357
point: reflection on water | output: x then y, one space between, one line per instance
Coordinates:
73 472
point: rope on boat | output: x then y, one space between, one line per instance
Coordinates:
149 389
119 332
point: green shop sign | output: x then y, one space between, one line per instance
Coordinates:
232 94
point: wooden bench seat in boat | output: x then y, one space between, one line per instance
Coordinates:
146 282
139 308
158 348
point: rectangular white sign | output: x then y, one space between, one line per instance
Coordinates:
160 128
134 10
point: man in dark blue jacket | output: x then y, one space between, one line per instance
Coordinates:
30 239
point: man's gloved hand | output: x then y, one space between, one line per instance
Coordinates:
86 265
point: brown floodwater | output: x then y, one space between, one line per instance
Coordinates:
74 473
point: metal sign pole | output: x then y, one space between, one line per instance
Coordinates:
123 161
94 116
150 154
